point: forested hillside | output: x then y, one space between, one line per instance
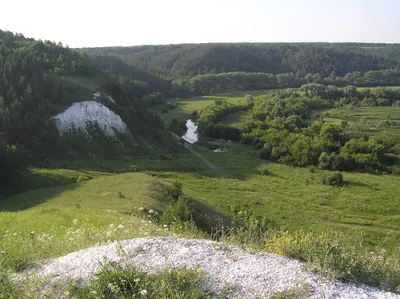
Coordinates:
39 80
188 60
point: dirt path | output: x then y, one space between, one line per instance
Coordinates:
194 150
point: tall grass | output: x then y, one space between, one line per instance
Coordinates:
118 282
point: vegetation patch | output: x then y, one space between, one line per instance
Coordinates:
118 282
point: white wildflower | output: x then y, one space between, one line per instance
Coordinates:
15 234
75 221
112 225
141 208
108 234
151 212
93 292
120 226
143 292
165 226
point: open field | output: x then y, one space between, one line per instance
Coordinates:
291 198
370 118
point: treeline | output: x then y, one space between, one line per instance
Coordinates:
189 60
280 129
141 82
239 81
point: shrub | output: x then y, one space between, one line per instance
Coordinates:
265 152
174 191
179 211
264 171
333 179
396 170
133 168
118 282
83 178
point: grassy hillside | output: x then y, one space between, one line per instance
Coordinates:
57 220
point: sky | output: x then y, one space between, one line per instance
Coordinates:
88 23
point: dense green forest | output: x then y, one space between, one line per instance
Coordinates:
189 60
216 68
40 79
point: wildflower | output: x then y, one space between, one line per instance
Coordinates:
141 208
112 225
151 212
143 292
120 226
136 280
2 252
108 234
93 292
165 226
111 287
15 234
75 221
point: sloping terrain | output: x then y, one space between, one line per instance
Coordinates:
244 274
39 81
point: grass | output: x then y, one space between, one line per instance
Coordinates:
53 221
237 119
49 222
118 282
371 116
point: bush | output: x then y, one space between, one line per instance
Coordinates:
83 178
333 179
264 171
396 170
178 211
118 282
174 191
265 152
133 168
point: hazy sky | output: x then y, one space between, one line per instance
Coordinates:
80 23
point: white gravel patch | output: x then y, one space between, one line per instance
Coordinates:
246 274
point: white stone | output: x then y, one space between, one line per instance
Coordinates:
80 114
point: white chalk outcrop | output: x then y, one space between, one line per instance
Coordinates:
247 274
80 115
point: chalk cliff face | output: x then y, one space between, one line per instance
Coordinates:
80 114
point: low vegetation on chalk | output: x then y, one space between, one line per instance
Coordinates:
118 282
